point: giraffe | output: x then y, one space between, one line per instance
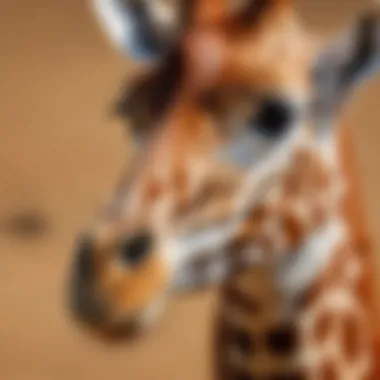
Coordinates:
122 276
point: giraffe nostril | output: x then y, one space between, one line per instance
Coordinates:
136 249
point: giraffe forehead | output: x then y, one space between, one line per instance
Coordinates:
206 52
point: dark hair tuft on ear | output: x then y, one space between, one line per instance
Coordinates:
143 102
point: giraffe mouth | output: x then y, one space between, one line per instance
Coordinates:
130 327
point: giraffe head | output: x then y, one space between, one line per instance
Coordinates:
236 109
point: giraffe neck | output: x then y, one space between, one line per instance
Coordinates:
326 333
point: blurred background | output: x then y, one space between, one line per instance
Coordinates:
60 158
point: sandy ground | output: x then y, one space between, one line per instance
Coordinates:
59 158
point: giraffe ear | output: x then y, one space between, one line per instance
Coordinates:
144 30
144 102
345 63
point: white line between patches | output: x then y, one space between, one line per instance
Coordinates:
296 275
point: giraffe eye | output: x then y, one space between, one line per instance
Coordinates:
136 249
273 118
